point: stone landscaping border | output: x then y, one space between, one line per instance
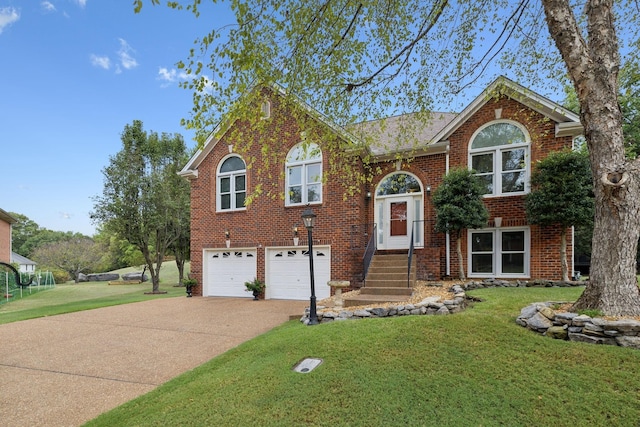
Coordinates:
540 317
428 306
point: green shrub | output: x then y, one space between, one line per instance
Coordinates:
60 276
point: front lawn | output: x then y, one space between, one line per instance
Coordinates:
476 368
70 297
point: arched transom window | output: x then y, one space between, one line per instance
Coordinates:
232 184
304 174
499 153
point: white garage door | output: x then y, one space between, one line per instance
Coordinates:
225 272
288 277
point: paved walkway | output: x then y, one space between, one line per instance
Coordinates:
65 370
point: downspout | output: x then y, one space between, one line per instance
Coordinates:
447 237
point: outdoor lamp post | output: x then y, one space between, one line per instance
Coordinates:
309 219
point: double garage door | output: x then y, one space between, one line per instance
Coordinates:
287 272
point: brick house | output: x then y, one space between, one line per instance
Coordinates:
5 236
500 135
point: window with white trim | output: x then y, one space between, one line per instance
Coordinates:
232 184
304 175
499 154
499 252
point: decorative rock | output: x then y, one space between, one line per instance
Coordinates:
582 328
547 312
361 313
580 320
103 277
330 314
591 340
379 312
442 311
135 276
346 314
557 332
631 342
539 322
528 311
591 329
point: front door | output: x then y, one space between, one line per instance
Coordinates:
399 220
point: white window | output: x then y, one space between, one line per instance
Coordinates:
232 184
304 175
499 252
499 154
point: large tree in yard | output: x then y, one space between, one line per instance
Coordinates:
366 59
459 206
561 196
143 195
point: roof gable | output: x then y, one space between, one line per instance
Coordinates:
567 122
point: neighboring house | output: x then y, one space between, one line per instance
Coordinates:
24 263
500 135
5 236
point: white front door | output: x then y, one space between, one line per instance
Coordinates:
399 221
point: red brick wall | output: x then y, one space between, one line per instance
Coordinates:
5 241
267 221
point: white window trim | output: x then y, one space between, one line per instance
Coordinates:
497 253
497 159
304 164
232 184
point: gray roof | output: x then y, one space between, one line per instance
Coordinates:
19 259
401 133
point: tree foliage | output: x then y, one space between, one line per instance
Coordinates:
143 197
561 195
75 256
459 206
27 235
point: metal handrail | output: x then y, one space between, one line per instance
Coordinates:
410 258
369 251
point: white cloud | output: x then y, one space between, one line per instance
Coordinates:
167 77
124 54
8 15
81 3
100 61
65 215
47 6
171 76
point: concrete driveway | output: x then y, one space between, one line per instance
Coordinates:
65 370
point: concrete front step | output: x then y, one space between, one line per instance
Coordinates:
386 290
373 299
385 283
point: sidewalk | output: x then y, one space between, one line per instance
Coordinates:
65 370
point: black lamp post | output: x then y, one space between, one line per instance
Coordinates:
309 220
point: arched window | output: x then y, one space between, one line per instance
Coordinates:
304 175
499 153
232 184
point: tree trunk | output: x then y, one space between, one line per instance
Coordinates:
460 259
593 66
563 254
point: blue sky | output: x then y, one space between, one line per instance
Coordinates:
74 73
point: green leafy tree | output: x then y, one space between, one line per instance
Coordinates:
21 232
561 195
75 256
138 201
359 60
458 204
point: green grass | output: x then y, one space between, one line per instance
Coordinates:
70 297
475 368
